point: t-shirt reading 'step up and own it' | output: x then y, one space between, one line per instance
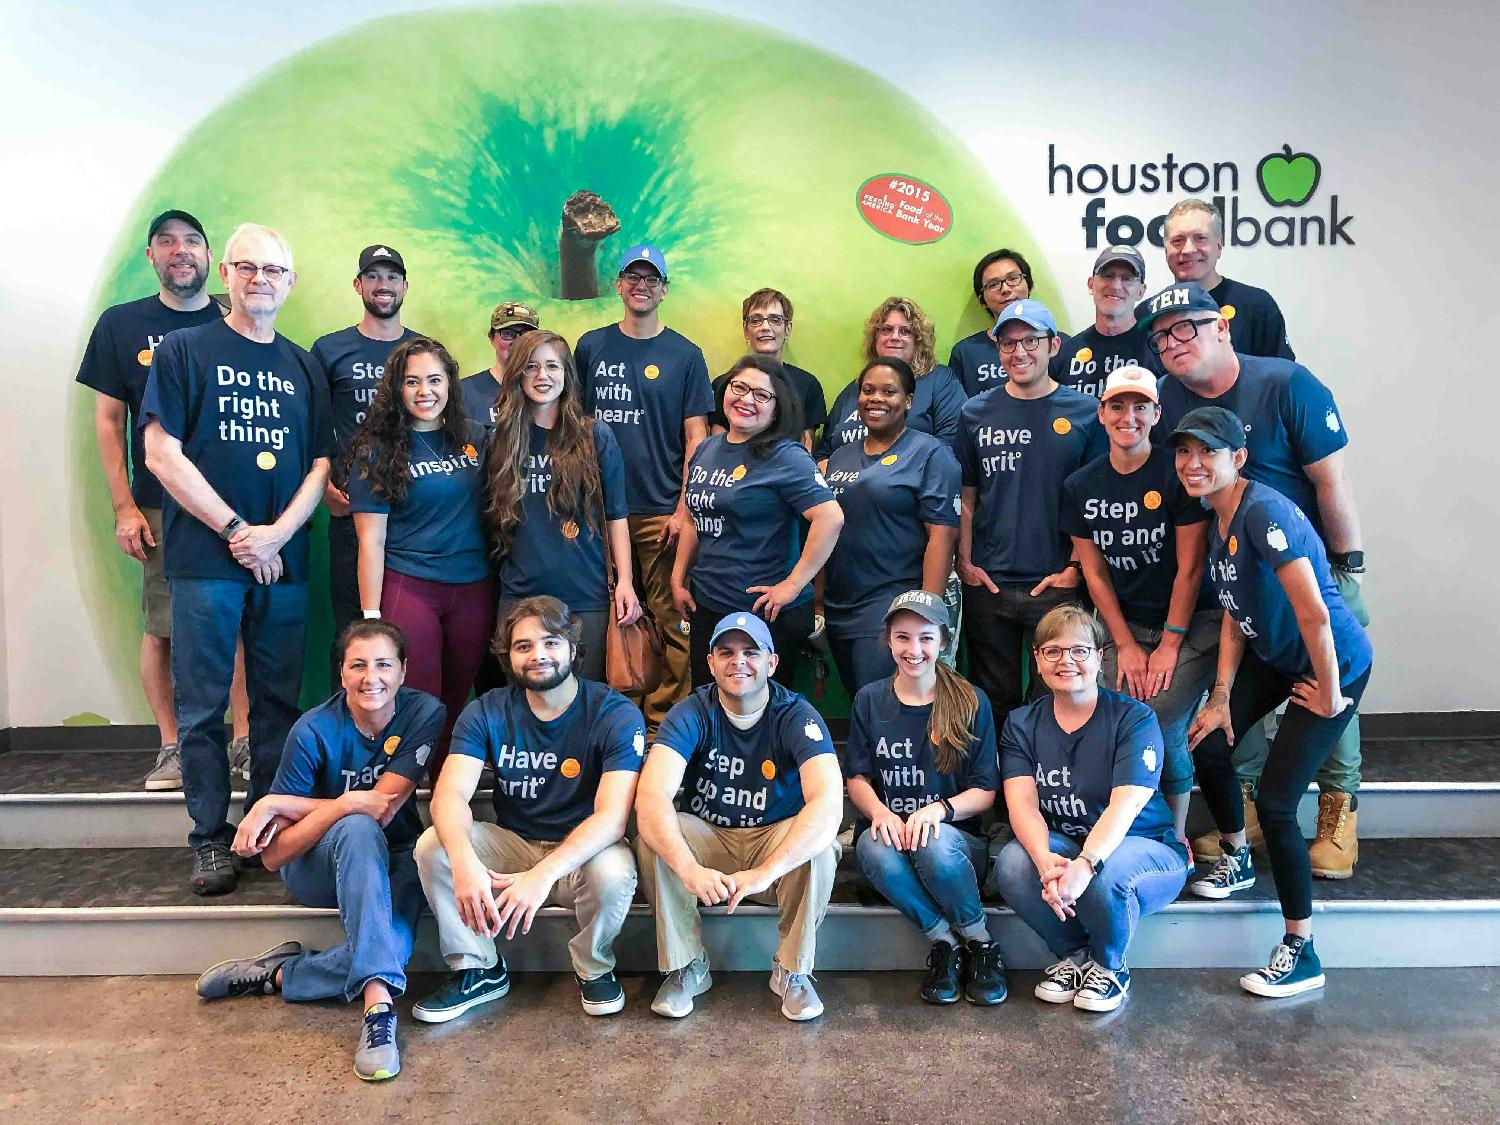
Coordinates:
353 364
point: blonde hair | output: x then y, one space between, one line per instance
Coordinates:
247 230
1069 615
924 335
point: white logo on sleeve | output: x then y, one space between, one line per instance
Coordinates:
1148 756
813 732
958 505
818 477
640 744
1333 421
424 751
1276 538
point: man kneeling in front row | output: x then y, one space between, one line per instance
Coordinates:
762 798
339 825
566 754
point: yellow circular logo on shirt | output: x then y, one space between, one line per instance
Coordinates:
570 767
768 770
738 474
1084 355
1227 312
1061 426
652 371
471 453
570 529
888 459
1234 545
143 357
1152 500
391 744
265 459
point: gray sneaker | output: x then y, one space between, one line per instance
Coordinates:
377 1056
674 999
239 759
167 773
799 1000
247 976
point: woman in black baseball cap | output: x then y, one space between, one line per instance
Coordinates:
1287 637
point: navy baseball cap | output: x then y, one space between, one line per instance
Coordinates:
1183 296
747 623
924 604
380 255
1214 426
166 217
1127 254
1027 311
645 252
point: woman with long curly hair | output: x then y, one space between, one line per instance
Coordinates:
416 494
899 329
557 502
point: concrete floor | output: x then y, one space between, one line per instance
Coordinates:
1377 1046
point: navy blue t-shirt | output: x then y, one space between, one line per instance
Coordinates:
887 500
326 755
252 418
1256 326
480 390
889 746
1133 519
117 361
437 532
1084 361
646 389
1121 744
976 361
1016 453
353 364
563 558
809 394
746 510
1290 421
744 778
547 772
1267 532
934 410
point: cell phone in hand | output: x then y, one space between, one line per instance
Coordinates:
267 834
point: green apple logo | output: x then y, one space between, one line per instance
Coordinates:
513 152
1288 179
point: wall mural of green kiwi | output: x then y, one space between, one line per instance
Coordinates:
464 138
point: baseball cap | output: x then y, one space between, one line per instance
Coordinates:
747 623
1127 254
644 252
380 255
1184 296
1132 378
513 314
924 604
1029 312
167 216
1214 426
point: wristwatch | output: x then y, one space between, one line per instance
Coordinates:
948 805
1096 864
1351 561
230 528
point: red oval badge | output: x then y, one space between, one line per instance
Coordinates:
904 208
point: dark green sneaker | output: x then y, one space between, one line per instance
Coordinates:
1294 968
602 996
377 1056
460 991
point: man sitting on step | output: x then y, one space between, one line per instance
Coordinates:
339 825
762 798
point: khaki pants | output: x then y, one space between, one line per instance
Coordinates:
653 580
801 894
600 893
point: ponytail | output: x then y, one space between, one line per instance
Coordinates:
951 725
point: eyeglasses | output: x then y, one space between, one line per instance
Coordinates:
645 280
755 320
1030 343
899 331
1009 281
512 333
248 270
1053 653
744 389
1182 332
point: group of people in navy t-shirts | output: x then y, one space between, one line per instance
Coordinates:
1142 534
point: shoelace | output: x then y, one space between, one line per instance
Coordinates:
380 1028
1226 870
987 958
936 955
1334 814
1099 979
1283 960
167 754
214 857
798 980
1066 972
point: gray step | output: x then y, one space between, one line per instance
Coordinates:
128 911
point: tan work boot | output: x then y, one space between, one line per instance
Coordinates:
1206 847
1336 849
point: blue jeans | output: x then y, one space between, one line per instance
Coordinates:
209 615
379 897
861 660
935 886
1140 877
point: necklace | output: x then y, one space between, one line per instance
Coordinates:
434 452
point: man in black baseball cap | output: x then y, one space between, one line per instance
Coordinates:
1114 339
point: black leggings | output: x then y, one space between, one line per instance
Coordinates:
788 633
1303 742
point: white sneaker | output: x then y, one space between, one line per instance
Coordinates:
1062 981
799 1000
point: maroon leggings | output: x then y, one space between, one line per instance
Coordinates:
447 628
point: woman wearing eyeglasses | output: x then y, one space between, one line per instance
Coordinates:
746 489
899 329
767 322
1287 637
899 492
1095 847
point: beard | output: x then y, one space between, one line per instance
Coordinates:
545 679
183 289
382 314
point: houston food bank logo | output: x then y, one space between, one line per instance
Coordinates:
1284 179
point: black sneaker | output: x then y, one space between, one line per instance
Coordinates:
1234 872
986 983
460 991
945 971
1293 970
602 996
213 869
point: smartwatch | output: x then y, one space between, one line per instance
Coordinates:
1096 864
948 805
230 528
1351 561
